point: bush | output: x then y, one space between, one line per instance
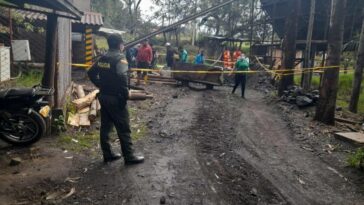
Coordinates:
356 160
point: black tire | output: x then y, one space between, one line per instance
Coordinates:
36 124
197 86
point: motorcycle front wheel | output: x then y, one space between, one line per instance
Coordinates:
23 129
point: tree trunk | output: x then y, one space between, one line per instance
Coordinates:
307 75
289 46
325 111
358 75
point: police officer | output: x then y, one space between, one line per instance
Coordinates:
110 75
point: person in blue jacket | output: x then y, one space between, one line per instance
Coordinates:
200 58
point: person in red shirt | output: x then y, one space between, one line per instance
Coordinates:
144 58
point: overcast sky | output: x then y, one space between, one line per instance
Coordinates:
145 7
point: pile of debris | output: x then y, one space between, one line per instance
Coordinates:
85 108
296 95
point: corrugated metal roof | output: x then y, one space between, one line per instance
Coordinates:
88 18
59 7
91 18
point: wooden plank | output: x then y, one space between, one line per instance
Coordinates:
355 137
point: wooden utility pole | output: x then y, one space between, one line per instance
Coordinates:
307 75
273 24
358 75
325 111
50 57
289 45
251 24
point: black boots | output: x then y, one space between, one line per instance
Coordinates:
113 157
133 159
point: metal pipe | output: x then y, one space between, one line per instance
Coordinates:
139 40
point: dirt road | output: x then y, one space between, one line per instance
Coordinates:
216 148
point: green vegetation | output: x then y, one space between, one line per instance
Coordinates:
78 141
356 160
101 43
34 77
345 88
138 129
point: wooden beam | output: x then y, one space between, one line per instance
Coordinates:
50 57
307 76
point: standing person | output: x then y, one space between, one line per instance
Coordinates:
131 56
183 55
153 64
170 55
227 58
240 78
200 58
144 59
236 55
110 75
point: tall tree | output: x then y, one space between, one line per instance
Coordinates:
325 111
358 76
289 46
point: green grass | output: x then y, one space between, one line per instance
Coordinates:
356 160
78 141
138 129
34 77
345 89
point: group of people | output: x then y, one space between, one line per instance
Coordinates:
183 56
230 57
110 75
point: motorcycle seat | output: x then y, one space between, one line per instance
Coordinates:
14 92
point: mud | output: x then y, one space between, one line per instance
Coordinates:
205 148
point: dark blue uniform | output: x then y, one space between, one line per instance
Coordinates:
110 75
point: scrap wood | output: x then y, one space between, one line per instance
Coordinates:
93 111
355 137
85 101
80 92
84 110
98 105
136 96
345 120
84 120
73 119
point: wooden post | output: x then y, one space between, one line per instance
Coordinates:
251 25
289 46
325 111
307 75
358 75
50 57
273 22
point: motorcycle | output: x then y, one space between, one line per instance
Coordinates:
23 114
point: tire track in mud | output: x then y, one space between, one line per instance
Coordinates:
262 139
235 179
